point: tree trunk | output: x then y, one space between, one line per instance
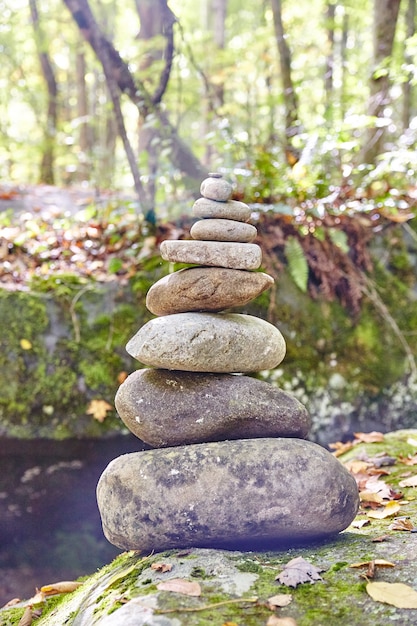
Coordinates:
329 66
156 20
385 21
48 156
84 129
410 29
292 123
181 155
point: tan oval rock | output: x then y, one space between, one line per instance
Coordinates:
166 408
205 289
230 210
232 494
223 230
208 342
239 256
216 188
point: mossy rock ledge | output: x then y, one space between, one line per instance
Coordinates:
235 586
63 345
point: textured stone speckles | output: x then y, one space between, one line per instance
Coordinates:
223 230
208 342
231 494
205 289
165 408
239 256
230 210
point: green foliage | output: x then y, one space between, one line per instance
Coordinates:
297 263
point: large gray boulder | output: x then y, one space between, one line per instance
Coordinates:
229 494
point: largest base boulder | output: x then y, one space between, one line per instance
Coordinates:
230 494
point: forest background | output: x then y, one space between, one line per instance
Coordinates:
310 110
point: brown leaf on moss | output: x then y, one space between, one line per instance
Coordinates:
403 523
372 437
161 567
179 585
299 571
65 586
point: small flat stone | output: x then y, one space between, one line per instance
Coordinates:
233 494
239 256
205 289
230 210
223 230
215 188
165 408
208 342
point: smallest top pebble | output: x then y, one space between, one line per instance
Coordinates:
216 188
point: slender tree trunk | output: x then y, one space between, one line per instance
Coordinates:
48 156
181 155
84 129
156 20
385 22
410 29
329 66
292 123
343 63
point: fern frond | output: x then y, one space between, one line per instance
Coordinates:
297 263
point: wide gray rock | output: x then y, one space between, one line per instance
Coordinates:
239 256
230 210
216 188
205 289
223 230
165 408
231 494
208 342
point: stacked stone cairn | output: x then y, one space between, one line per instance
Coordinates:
229 465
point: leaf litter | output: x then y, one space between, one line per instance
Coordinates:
299 571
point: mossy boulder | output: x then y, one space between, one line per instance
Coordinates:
235 585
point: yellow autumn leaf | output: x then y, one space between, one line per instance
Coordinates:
65 586
99 409
25 344
369 496
396 594
390 509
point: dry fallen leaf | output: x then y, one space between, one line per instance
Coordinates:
380 562
65 586
26 618
360 522
11 602
279 600
390 509
409 482
298 571
402 523
408 460
99 409
273 620
340 448
38 598
369 496
396 594
161 567
179 585
380 539
372 437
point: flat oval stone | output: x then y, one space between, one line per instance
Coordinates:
223 230
232 494
239 256
215 188
230 210
208 342
205 289
165 408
